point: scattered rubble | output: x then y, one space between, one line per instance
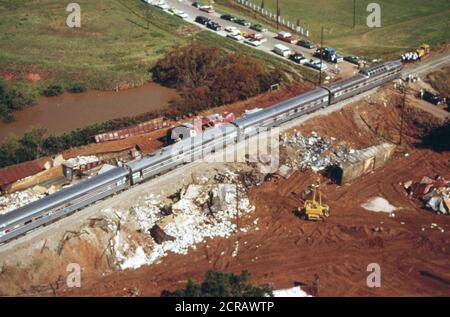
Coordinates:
315 153
18 199
159 235
434 193
78 161
197 212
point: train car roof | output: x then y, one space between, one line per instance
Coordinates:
281 107
345 83
380 68
182 146
62 196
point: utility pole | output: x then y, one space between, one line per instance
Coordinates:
354 13
278 15
403 113
321 57
146 16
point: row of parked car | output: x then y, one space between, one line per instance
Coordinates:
255 27
253 39
256 39
164 6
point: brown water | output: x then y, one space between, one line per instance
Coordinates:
70 111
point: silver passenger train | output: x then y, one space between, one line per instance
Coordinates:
68 200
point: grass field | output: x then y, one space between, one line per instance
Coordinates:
405 24
113 48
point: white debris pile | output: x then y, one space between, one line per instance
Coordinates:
316 153
81 160
290 292
18 199
378 204
200 212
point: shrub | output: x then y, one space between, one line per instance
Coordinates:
221 284
77 88
208 77
15 96
53 90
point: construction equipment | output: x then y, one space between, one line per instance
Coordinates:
423 51
314 209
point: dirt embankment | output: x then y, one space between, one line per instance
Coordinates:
413 254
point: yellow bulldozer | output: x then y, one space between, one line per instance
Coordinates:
314 209
423 51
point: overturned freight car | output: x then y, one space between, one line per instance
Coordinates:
362 162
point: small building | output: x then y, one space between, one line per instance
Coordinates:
362 162
11 174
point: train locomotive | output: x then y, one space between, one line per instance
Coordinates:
68 200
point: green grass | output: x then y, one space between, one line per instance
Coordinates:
293 71
405 23
112 48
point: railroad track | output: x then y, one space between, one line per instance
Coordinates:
323 100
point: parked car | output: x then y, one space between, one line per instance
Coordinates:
213 26
316 64
163 5
286 37
197 4
242 22
298 58
258 27
353 59
337 58
202 20
329 54
252 41
257 36
433 98
236 36
281 50
181 14
232 29
306 43
228 17
208 9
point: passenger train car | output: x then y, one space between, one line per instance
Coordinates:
19 221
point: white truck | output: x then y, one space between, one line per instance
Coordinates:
282 50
